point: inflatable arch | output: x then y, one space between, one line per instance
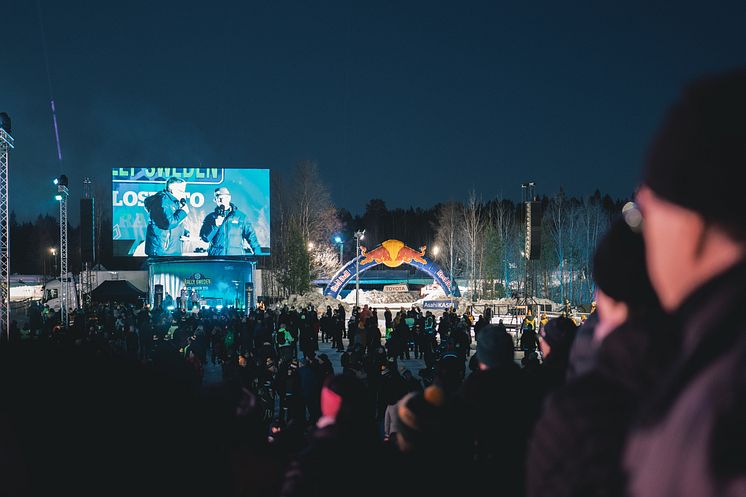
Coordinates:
391 253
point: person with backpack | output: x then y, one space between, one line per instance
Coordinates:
284 341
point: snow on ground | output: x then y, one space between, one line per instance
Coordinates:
378 297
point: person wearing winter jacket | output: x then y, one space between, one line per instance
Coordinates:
227 229
167 210
284 341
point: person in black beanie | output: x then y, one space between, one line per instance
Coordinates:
342 448
556 341
502 407
693 220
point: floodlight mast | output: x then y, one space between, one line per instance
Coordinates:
6 144
62 194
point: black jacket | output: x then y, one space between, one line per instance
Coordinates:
578 443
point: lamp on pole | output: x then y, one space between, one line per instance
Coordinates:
338 240
53 251
359 235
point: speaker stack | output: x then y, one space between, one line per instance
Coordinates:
535 227
87 232
158 296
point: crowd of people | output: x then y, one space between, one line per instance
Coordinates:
645 398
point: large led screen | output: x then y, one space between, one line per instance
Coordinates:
190 211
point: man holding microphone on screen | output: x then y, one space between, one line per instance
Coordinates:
168 210
227 229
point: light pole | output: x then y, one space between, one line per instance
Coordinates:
338 240
54 260
359 235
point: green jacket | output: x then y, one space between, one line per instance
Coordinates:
288 337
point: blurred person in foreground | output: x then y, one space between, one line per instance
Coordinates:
578 443
691 440
344 454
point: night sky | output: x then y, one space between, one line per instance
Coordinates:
412 102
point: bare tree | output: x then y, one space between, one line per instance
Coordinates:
446 234
311 203
324 261
557 229
472 228
303 217
593 223
504 220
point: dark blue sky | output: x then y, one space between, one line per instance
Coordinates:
412 102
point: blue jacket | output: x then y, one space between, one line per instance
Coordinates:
166 215
227 239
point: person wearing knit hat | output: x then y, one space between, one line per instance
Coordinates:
342 448
420 419
623 287
557 334
494 347
693 219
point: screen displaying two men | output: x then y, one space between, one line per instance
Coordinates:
190 211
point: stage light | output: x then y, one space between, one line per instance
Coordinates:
170 308
55 181
338 239
5 121
219 307
58 198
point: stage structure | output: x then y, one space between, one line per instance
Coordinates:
215 282
65 300
532 245
391 253
6 144
87 241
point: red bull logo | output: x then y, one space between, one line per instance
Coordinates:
393 253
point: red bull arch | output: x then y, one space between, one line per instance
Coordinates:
391 253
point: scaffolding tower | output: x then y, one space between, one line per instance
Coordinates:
6 143
62 194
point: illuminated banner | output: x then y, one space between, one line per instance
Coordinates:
438 305
212 281
204 175
391 253
190 211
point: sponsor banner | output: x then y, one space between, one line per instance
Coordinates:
391 253
402 287
204 175
438 305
